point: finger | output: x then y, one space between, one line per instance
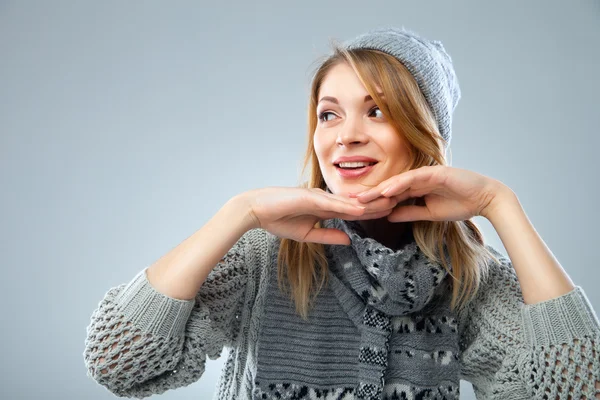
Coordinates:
327 236
377 215
410 213
373 193
416 183
324 203
378 207
348 217
338 197
399 198
392 186
378 204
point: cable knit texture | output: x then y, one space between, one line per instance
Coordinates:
140 342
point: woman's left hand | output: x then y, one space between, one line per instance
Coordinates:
450 194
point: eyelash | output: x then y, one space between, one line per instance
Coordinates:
322 114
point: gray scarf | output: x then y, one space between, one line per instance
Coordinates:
380 329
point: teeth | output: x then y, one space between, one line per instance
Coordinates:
354 164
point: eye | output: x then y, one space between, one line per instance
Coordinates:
376 109
323 115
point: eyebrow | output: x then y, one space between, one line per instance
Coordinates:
334 100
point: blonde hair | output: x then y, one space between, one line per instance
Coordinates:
302 266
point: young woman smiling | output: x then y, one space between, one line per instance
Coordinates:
369 282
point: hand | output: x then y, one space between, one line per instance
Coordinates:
293 212
450 194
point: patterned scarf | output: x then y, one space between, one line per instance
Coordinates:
381 329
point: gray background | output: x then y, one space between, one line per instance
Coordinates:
126 125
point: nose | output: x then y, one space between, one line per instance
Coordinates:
352 132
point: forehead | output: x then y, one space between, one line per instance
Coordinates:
341 81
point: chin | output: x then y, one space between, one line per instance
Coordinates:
344 188
341 189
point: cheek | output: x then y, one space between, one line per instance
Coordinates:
398 153
320 146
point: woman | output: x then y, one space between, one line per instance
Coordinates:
368 282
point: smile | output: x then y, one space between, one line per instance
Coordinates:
353 172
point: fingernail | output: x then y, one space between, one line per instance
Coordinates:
384 191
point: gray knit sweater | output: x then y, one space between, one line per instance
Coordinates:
507 350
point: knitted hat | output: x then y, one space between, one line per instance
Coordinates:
427 61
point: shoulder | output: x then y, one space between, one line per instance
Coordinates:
500 270
499 293
499 285
500 278
498 301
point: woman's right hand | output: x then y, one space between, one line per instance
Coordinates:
292 213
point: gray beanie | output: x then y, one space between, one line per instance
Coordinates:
427 61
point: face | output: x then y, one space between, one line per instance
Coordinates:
351 125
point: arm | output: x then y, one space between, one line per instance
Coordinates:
537 334
181 272
151 335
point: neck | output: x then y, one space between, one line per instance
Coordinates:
393 235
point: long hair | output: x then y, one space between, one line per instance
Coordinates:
302 266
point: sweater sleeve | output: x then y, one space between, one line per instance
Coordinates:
141 342
512 350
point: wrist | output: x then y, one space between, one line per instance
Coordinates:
503 196
242 203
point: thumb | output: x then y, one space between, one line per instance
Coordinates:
327 236
409 213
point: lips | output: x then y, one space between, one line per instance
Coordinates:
350 173
354 158
354 172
